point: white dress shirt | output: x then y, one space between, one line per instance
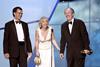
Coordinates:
19 29
71 26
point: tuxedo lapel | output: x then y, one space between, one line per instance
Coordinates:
14 29
67 28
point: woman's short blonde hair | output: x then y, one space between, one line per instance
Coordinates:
41 19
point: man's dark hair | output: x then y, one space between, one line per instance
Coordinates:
15 9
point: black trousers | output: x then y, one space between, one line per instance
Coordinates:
21 60
75 62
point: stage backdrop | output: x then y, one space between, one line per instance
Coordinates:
87 10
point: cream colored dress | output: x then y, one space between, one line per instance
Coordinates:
45 50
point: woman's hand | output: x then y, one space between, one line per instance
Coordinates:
58 49
37 53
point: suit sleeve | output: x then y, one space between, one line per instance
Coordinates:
84 35
29 47
63 40
6 39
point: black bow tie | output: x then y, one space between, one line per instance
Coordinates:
69 22
17 22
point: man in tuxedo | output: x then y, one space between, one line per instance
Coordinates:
74 33
16 43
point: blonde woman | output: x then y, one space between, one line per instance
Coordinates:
44 37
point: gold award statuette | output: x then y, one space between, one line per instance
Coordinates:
90 52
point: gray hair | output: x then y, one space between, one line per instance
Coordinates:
70 9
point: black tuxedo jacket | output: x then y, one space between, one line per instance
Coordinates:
10 42
76 41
